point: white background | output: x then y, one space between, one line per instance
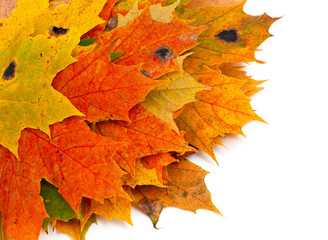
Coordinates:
272 184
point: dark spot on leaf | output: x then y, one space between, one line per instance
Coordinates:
145 73
111 24
185 194
58 31
40 54
163 54
10 71
227 35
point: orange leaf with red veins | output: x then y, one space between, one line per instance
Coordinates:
76 160
218 112
21 206
148 134
152 44
100 89
158 162
186 190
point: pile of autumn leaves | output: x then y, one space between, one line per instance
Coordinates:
101 101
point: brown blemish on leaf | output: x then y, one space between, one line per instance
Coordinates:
111 24
58 31
145 73
228 35
9 73
164 54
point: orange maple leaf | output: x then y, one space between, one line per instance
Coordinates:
72 156
21 206
73 148
150 43
101 89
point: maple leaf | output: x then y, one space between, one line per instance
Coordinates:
92 87
26 96
146 134
186 190
180 88
233 35
218 112
21 206
74 148
154 45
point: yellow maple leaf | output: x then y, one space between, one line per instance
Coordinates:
31 54
180 88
